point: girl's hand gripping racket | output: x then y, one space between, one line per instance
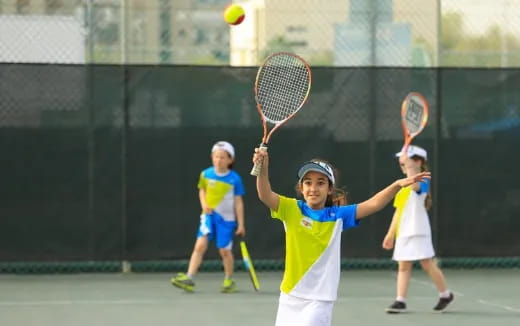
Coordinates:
414 116
282 86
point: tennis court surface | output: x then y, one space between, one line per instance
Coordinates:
483 297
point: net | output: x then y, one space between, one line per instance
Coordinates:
282 86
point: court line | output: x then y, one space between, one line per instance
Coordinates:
497 305
481 301
78 302
198 299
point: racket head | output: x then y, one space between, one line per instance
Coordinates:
248 264
282 86
414 116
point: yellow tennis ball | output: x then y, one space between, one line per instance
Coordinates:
234 14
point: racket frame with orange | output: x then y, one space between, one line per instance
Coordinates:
248 265
278 123
412 99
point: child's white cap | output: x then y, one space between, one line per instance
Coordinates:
414 151
225 146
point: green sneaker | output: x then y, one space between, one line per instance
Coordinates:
228 286
182 281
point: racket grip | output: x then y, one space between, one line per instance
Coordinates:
255 171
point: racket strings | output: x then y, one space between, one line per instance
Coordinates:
282 87
413 117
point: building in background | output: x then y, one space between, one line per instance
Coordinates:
338 32
332 32
40 31
304 27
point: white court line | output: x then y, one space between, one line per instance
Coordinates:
273 299
430 284
497 305
481 301
78 302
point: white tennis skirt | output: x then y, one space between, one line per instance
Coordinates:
413 248
303 312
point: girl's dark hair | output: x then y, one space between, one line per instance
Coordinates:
338 196
424 168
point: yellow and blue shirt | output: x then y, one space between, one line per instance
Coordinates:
313 247
221 191
412 217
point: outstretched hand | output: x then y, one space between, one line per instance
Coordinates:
413 179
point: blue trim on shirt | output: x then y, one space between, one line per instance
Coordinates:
331 214
424 186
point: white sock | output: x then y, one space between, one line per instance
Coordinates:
191 277
445 294
400 299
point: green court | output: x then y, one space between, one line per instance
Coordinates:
483 297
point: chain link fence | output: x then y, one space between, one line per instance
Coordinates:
104 102
407 33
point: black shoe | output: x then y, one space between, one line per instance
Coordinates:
396 307
443 303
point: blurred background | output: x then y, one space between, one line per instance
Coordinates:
421 33
109 109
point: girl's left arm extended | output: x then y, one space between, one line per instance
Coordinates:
379 200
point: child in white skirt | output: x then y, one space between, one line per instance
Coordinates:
411 232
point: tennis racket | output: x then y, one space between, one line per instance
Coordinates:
282 86
414 116
248 264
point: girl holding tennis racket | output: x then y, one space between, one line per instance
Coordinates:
313 229
410 230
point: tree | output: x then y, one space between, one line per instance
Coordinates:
495 48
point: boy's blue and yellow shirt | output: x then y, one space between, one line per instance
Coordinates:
221 191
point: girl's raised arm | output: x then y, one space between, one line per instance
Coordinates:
263 186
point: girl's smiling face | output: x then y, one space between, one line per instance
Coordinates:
315 187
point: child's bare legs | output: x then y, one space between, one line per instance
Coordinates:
435 273
227 261
404 272
201 245
184 281
228 286
403 279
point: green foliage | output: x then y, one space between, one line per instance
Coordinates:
322 58
494 48
276 44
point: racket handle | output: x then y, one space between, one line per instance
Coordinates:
258 166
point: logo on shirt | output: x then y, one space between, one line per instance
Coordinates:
306 222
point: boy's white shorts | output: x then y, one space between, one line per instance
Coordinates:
303 312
